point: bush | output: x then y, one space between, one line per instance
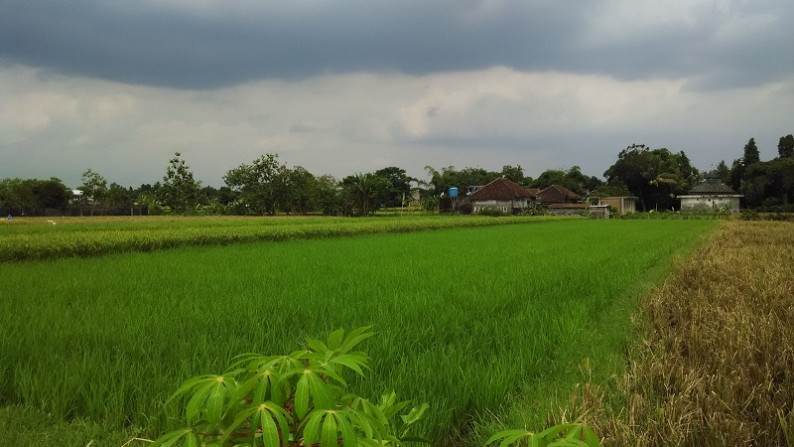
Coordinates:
491 212
290 400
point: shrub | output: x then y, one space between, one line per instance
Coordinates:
291 400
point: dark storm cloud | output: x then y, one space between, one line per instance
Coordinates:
205 44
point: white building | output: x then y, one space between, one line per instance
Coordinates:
711 195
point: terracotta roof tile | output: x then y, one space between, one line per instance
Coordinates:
502 189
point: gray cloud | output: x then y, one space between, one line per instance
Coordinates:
206 44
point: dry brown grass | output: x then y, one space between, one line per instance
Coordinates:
716 366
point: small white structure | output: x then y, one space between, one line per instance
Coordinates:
622 205
711 195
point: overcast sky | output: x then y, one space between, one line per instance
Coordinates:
346 86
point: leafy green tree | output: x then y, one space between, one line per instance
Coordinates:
257 184
118 196
328 195
513 173
572 179
301 190
723 172
737 172
179 191
51 193
769 183
442 180
361 193
94 188
16 195
654 176
399 186
785 146
751 154
555 177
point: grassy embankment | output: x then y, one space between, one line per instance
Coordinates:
469 320
41 238
716 364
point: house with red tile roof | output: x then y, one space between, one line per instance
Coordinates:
557 194
503 195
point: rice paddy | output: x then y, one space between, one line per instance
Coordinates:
470 320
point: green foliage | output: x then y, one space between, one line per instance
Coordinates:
513 173
94 188
295 399
20 196
562 435
751 153
495 212
785 146
447 177
510 338
654 176
399 186
572 179
179 192
37 239
772 179
361 193
257 184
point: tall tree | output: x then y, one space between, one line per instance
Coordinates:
751 154
723 172
179 191
328 196
655 176
572 179
16 195
257 184
513 173
399 186
94 188
785 146
301 191
442 180
361 192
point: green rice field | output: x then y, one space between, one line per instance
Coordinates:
483 323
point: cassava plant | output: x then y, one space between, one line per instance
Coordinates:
298 399
562 435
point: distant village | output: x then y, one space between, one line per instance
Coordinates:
641 180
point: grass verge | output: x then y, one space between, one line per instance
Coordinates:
27 239
716 365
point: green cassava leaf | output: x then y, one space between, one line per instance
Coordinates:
170 438
311 429
349 438
354 362
302 396
335 339
329 436
322 396
317 346
508 437
355 337
270 433
216 399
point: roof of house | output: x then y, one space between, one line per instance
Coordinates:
557 194
501 189
711 186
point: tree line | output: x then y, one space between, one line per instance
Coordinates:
266 186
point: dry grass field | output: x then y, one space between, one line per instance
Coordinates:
716 366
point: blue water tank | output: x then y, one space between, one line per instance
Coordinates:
453 192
